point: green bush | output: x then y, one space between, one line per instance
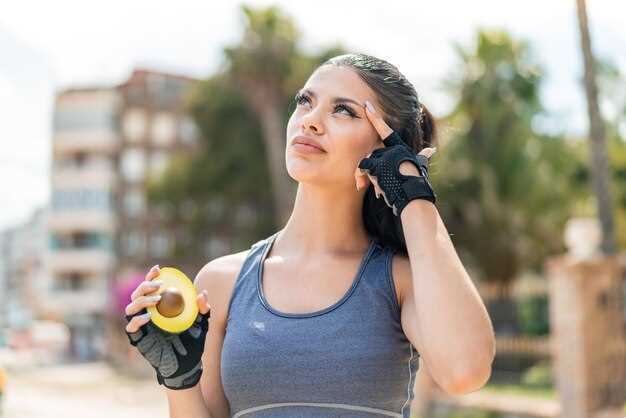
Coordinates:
475 414
533 315
539 375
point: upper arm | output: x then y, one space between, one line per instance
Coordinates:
401 275
217 277
403 280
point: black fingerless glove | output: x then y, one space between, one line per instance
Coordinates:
176 358
399 189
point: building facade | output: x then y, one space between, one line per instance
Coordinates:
108 143
23 271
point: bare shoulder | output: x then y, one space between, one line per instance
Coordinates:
219 270
218 278
401 274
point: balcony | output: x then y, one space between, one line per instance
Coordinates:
67 221
100 141
95 176
62 302
91 261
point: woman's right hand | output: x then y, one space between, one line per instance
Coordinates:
176 358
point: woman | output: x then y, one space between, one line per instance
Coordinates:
330 315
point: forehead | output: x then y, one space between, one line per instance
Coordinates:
333 81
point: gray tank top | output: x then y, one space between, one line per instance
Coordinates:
349 360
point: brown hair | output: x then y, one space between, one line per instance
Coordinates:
404 114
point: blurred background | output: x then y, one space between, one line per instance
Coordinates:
137 133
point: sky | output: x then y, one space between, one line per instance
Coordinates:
46 46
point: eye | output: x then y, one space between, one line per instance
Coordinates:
301 98
347 109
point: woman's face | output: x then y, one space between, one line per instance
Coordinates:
329 110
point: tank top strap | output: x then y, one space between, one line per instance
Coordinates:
379 276
245 285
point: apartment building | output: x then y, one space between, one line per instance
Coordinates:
82 219
23 271
108 142
154 127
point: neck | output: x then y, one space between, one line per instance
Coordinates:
324 220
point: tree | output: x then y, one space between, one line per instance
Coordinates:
236 188
504 189
600 169
268 67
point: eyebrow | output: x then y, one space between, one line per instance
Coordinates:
335 99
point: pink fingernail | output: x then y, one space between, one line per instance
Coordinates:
370 106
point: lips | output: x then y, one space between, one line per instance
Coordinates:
307 141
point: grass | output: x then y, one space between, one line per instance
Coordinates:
543 393
537 392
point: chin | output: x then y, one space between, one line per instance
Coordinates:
305 171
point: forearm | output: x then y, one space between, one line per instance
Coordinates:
187 403
459 340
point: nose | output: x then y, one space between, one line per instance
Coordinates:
310 122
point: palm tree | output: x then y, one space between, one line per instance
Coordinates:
600 170
500 193
259 64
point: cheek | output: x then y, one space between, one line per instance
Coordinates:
353 143
291 123
350 148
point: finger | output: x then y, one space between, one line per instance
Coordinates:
146 287
142 302
377 120
154 272
423 163
377 190
137 321
361 178
428 152
203 302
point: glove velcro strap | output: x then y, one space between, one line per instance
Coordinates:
418 188
183 381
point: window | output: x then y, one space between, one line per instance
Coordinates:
158 162
163 128
70 281
85 114
134 243
80 240
134 203
216 247
73 199
80 158
188 131
134 124
159 244
133 164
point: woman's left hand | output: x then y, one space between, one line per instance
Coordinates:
378 166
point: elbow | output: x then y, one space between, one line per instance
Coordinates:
468 381
472 377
